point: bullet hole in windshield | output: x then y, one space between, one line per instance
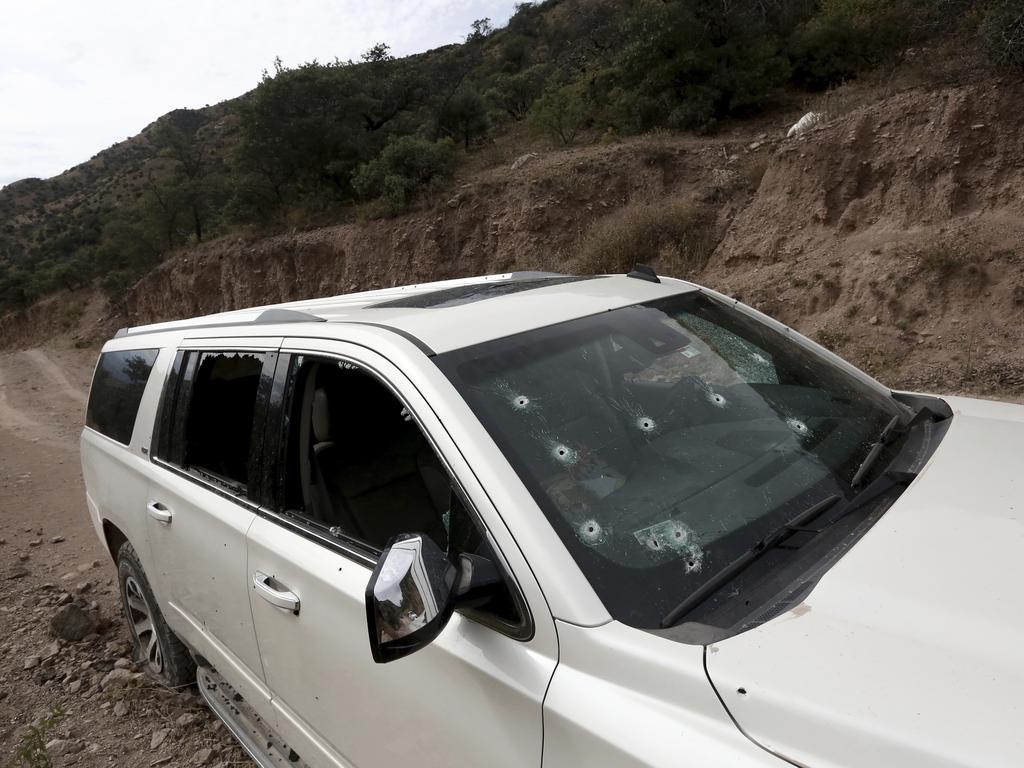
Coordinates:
591 532
563 454
798 426
672 537
641 420
646 424
717 400
521 402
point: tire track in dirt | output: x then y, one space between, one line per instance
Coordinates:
19 421
56 375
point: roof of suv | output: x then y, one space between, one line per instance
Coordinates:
451 314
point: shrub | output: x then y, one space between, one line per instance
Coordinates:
404 167
848 36
678 233
1001 34
560 113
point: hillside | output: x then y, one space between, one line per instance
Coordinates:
892 233
586 136
348 141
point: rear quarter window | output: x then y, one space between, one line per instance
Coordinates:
117 387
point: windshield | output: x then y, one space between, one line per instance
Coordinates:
664 439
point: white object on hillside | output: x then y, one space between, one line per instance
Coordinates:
805 123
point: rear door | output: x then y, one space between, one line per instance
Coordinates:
201 502
361 457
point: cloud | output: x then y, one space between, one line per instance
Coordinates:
78 77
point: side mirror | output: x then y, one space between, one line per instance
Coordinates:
410 597
415 588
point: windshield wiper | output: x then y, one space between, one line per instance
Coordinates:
886 438
712 585
876 450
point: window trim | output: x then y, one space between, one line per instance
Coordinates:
273 509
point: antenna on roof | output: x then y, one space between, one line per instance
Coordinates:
643 272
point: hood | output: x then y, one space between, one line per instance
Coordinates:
910 651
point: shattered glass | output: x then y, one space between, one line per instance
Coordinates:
663 439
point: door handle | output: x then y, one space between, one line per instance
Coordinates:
159 512
282 598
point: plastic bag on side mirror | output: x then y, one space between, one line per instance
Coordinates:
410 597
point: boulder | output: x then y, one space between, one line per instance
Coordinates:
72 623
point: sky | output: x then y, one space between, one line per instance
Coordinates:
77 76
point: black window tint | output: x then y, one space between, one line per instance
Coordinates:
116 392
218 424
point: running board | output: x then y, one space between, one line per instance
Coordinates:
256 736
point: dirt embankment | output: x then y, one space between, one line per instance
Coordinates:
530 217
895 235
892 233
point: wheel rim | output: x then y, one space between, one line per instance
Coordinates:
140 617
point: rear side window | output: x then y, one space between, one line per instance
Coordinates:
210 423
117 387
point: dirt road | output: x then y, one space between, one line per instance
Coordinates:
50 555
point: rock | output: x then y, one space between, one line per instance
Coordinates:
873 320
23 556
205 756
522 160
123 663
35 542
754 145
120 709
185 720
83 586
72 623
64 599
51 650
59 747
17 573
158 737
56 539
75 686
31 662
118 678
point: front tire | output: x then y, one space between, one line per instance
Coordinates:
161 653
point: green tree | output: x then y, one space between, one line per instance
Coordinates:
406 166
464 117
561 112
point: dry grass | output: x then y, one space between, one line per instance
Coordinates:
753 168
677 234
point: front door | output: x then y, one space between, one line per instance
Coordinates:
200 504
357 467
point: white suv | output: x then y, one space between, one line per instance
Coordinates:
592 521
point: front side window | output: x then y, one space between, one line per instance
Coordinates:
358 468
117 388
663 440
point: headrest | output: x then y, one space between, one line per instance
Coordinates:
321 417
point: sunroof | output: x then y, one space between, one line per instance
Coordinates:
467 294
